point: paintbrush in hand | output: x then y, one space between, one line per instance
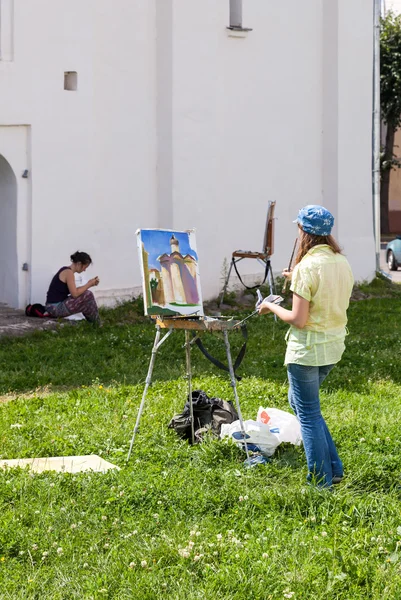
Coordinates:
271 298
290 265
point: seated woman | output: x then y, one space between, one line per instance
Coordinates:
64 298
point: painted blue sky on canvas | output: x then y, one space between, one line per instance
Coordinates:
157 242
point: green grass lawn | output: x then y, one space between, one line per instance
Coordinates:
181 522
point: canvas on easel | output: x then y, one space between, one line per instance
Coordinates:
172 297
170 272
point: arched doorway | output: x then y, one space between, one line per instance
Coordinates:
8 235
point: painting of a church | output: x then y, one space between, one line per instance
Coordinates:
170 274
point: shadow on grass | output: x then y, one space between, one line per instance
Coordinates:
119 353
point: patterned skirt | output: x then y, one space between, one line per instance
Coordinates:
85 304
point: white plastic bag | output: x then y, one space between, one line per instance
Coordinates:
282 423
259 438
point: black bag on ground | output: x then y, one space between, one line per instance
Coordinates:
209 414
222 412
36 310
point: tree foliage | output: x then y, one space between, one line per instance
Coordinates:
390 70
390 103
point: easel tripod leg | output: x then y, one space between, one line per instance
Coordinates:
270 279
189 377
272 288
145 391
234 386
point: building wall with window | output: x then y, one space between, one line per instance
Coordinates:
172 120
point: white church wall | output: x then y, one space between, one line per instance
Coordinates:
124 140
258 118
93 149
355 212
177 124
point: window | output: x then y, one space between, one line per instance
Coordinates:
71 81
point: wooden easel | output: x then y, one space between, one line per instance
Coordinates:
263 257
201 324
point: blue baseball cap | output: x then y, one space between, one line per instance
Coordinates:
315 219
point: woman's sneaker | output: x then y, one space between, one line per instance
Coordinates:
337 479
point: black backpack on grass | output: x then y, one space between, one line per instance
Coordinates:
209 415
36 310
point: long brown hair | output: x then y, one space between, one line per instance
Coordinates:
308 241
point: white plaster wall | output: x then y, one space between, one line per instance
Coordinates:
124 142
247 124
355 212
176 124
93 150
270 117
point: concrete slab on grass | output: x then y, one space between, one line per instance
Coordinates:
62 464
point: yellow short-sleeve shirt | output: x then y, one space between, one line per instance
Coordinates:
325 279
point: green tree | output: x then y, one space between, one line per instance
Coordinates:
390 101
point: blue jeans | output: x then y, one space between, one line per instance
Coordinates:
303 395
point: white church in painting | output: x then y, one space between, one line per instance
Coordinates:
178 274
124 114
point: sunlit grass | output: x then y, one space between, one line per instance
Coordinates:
187 522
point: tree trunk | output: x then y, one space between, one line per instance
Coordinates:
385 181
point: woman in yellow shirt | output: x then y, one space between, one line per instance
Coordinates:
321 283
